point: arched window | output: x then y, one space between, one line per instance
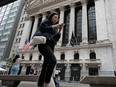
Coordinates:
76 56
31 56
23 57
40 57
92 55
62 56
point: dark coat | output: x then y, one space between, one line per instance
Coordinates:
49 32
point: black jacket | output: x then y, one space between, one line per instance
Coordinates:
49 32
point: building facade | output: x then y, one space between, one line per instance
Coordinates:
9 18
93 23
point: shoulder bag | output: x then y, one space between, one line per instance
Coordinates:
38 38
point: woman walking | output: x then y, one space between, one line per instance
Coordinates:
51 30
15 65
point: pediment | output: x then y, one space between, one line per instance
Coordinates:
32 3
36 2
35 6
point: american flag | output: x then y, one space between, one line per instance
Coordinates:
26 45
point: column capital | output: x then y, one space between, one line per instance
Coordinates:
95 0
72 5
44 13
36 15
61 8
28 18
84 1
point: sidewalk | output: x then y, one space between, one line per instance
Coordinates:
62 84
67 84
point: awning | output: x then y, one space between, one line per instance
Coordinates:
1 69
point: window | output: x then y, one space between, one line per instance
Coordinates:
5 17
1 14
93 71
1 27
23 25
78 24
92 55
3 22
76 56
20 26
14 9
8 25
62 56
3 10
66 27
4 37
24 12
22 19
18 33
19 40
21 32
40 57
9 7
16 41
31 56
7 12
12 14
92 35
6 31
16 3
10 20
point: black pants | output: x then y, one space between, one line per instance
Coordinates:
48 64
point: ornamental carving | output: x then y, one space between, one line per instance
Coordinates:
36 5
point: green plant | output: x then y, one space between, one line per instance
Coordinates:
8 61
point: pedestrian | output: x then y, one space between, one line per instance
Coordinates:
15 65
35 71
56 81
52 31
31 71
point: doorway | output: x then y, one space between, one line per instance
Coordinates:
75 72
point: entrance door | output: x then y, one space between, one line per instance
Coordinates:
75 72
61 67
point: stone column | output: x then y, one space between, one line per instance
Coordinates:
72 20
26 32
84 22
43 16
67 73
35 25
101 20
61 20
